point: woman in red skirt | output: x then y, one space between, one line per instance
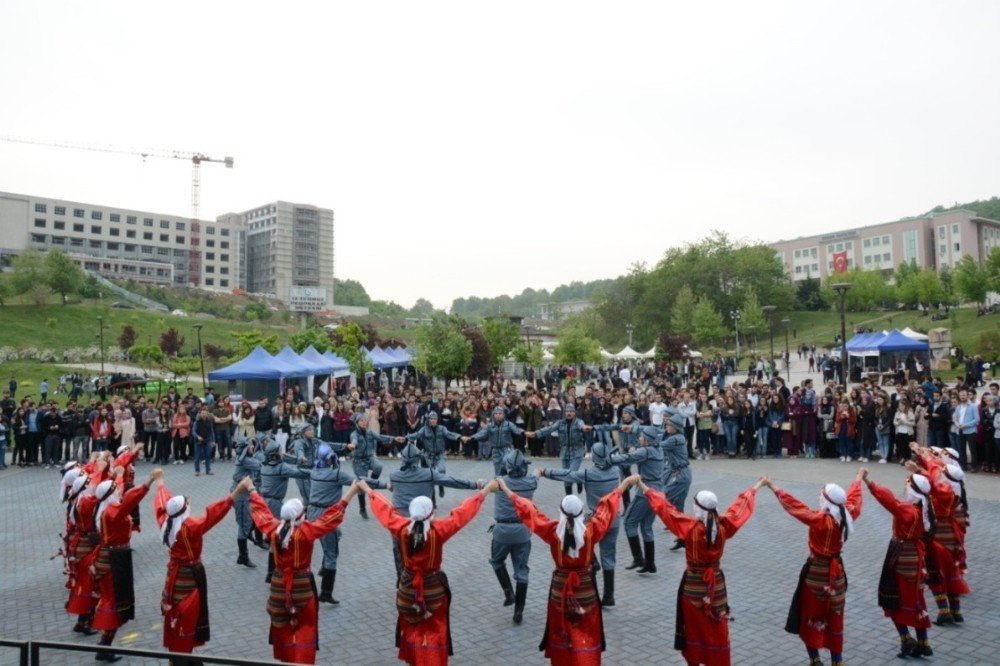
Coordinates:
901 587
81 553
574 626
185 596
817 611
113 568
423 598
951 510
294 633
702 633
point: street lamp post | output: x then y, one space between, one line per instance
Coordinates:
735 315
842 288
201 356
100 324
768 310
628 329
752 336
788 357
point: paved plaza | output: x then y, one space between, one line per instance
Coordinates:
761 564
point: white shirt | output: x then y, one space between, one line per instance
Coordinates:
625 375
688 410
656 412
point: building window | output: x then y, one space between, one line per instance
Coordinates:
885 240
164 224
76 242
58 225
867 242
954 229
868 260
40 208
131 219
223 283
130 233
60 210
210 256
112 246
910 245
115 231
37 238
224 270
179 239
224 245
94 229
40 223
78 228
941 232
958 247
147 235
58 240
96 215
164 238
77 212
146 249
887 256
224 257
943 249
179 226
210 243
96 244
210 231
224 232
130 248
115 217
209 282
209 269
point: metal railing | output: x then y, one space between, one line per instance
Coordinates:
30 653
22 648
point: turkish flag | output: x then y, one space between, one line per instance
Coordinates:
840 262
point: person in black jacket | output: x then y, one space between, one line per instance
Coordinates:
939 415
263 420
49 424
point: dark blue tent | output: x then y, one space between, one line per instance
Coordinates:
331 366
258 364
896 341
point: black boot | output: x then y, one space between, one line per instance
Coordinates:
270 568
678 544
650 558
519 596
244 557
327 578
440 491
609 588
361 505
626 500
508 590
258 539
579 487
82 626
106 639
569 488
636 547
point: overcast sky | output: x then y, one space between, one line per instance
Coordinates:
481 148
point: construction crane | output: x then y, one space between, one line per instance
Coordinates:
195 158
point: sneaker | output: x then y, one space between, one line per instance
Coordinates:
197 473
843 459
882 462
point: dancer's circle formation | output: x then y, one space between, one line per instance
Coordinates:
927 546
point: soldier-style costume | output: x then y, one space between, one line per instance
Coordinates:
185 595
364 454
248 463
628 438
510 536
327 481
572 443
274 476
574 627
304 450
817 610
292 604
702 626
639 517
423 598
901 587
432 439
412 480
499 432
676 466
597 482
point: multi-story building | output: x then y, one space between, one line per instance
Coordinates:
938 241
123 243
288 252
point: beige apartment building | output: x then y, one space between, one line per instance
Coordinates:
936 241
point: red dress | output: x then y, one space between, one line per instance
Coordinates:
901 588
82 550
817 613
113 569
949 532
702 633
185 601
292 604
574 627
423 634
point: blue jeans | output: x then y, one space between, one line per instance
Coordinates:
223 444
845 446
732 429
762 440
203 451
3 454
883 444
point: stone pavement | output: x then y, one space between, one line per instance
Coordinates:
761 564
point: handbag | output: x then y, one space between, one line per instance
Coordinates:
786 425
715 428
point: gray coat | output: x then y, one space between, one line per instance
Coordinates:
508 528
650 462
432 440
413 482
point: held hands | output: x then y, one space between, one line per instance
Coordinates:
862 474
761 482
912 467
246 485
490 487
155 475
539 471
530 434
362 486
503 486
351 447
399 440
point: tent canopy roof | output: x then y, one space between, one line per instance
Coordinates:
258 364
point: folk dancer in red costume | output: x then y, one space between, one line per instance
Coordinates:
951 509
113 568
125 458
817 610
901 587
185 595
574 627
82 540
702 632
423 598
294 635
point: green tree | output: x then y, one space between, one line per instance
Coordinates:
387 309
351 340
682 314
751 314
575 347
350 292
5 290
247 342
29 276
810 296
989 347
928 287
422 308
970 280
443 349
501 335
528 355
62 274
992 269
707 324
315 336
147 356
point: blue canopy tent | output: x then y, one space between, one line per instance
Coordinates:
337 368
301 367
380 360
897 341
260 373
399 354
330 356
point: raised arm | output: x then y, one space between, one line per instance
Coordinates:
326 523
854 496
449 482
386 514
604 514
885 497
459 517
214 513
565 475
160 503
533 519
261 514
739 511
797 509
676 521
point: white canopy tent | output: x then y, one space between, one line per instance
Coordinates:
913 335
605 354
629 353
651 353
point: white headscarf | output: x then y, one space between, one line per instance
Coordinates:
918 492
177 512
421 512
705 505
75 493
292 515
956 479
67 482
833 500
571 507
106 492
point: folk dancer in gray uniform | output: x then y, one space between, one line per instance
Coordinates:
628 438
500 434
304 451
640 516
327 481
432 438
597 481
248 464
412 480
364 449
274 476
572 444
677 467
510 536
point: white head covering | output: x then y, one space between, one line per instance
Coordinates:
571 507
76 492
121 449
67 482
705 505
918 492
937 449
106 492
832 500
952 453
955 476
421 511
292 515
177 512
68 465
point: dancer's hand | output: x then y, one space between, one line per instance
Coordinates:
363 486
862 474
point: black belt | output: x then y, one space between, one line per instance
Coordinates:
653 480
509 522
